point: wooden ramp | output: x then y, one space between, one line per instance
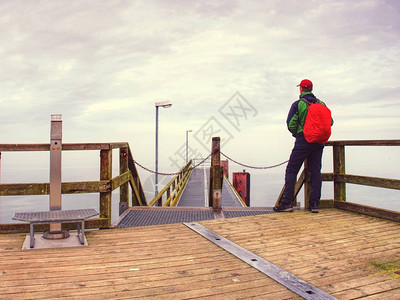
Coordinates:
346 255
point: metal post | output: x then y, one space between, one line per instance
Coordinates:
165 104
55 167
156 177
187 144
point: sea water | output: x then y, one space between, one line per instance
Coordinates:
265 185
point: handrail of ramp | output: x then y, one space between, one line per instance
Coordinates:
173 190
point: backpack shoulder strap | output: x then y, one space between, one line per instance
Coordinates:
305 100
309 103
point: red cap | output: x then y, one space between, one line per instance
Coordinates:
305 83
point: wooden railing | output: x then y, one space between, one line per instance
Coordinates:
340 178
174 188
128 177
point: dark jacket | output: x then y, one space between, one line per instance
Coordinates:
298 113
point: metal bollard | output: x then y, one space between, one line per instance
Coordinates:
55 167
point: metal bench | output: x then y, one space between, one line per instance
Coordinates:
57 216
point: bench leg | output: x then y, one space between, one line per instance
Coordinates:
32 235
81 232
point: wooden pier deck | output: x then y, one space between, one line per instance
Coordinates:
347 255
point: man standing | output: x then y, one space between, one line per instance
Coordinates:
302 150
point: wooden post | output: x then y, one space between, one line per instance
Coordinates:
339 188
216 175
169 193
138 196
123 190
307 185
105 174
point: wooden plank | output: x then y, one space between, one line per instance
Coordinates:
137 200
370 211
86 146
297 187
345 249
332 250
138 197
285 278
24 147
124 186
20 189
326 203
119 145
369 181
15 189
67 146
339 188
327 176
105 174
101 186
120 180
364 143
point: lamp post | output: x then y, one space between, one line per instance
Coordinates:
187 143
165 104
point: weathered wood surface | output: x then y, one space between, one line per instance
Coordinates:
369 181
364 143
339 167
369 210
15 189
333 250
66 146
105 174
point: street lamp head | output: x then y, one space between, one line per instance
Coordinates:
165 104
189 130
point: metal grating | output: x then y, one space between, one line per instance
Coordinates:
229 197
245 213
136 218
194 192
55 215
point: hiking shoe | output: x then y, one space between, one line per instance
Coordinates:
314 209
283 208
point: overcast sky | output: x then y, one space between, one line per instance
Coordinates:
230 68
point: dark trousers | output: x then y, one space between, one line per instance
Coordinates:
302 150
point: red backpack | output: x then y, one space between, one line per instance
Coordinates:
317 127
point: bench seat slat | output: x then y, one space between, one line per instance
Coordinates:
55 215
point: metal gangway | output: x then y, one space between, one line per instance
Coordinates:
196 192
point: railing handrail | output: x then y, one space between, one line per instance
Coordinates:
175 182
104 186
364 143
340 178
64 146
